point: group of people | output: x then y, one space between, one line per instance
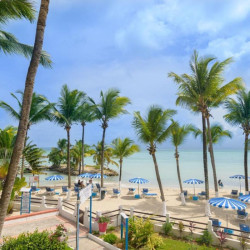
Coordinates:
81 184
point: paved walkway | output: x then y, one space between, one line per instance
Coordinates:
50 222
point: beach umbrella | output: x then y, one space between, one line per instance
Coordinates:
139 181
238 176
228 203
86 175
54 178
245 198
98 176
193 181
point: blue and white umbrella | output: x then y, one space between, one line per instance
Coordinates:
193 181
98 176
245 198
228 203
54 178
139 181
86 175
238 176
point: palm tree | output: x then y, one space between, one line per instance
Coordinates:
177 136
39 111
239 115
200 91
153 129
23 123
111 106
9 44
86 115
65 114
123 148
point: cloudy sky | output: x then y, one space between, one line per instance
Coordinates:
130 45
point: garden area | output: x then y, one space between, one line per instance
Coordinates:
141 235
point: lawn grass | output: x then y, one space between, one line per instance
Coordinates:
171 244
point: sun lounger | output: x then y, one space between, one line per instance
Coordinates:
145 190
242 215
202 194
34 189
185 193
245 230
50 190
65 189
116 192
131 190
150 194
215 224
234 193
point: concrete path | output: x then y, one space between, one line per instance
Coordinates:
50 223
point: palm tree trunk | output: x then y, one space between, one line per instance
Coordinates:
120 175
83 126
245 162
68 156
102 155
23 158
159 182
23 123
178 168
204 139
211 151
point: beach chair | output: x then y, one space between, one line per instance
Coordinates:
116 192
76 189
215 224
242 215
131 190
202 194
245 230
145 190
145 193
65 189
50 190
234 193
185 193
34 189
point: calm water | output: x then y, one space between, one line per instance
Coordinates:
228 162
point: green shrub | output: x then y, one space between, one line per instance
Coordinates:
181 227
205 238
110 229
167 227
110 238
141 234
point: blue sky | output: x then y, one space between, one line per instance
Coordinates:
130 45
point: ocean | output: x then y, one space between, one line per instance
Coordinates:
228 162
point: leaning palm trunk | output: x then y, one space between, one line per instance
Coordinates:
120 175
211 151
204 138
102 155
159 183
179 176
245 162
83 126
68 156
23 158
23 123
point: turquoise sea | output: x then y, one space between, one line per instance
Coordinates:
228 162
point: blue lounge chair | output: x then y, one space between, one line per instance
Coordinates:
242 215
145 193
65 189
185 193
145 190
234 193
131 190
245 230
34 189
202 194
50 190
116 192
215 223
76 189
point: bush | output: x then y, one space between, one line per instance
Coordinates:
142 235
34 241
205 238
167 228
110 238
110 229
181 228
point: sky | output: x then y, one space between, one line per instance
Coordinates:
131 45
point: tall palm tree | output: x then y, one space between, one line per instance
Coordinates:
153 130
111 106
86 115
198 91
65 114
39 111
177 136
123 148
9 44
23 123
239 115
